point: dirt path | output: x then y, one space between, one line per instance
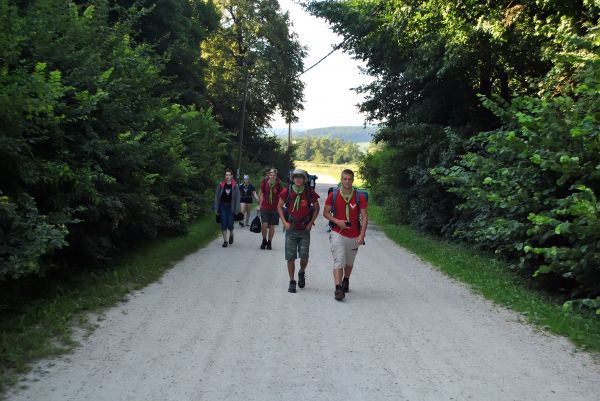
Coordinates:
222 326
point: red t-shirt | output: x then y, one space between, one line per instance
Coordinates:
301 215
265 205
340 212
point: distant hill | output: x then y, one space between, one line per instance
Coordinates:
355 134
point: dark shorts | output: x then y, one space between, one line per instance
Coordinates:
246 199
297 243
269 217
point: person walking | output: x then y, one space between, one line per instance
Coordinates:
268 196
349 219
227 204
247 195
302 206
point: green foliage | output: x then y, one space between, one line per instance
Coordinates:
93 157
254 49
326 150
520 79
531 192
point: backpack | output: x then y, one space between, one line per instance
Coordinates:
335 191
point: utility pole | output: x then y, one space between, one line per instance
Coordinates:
242 120
289 135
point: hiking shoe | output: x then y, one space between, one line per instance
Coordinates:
231 238
301 279
346 284
339 293
269 245
292 287
264 244
224 244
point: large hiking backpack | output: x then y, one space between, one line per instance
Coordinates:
358 191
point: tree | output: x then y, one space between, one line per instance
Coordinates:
254 49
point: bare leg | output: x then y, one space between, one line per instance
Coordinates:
347 271
271 232
337 276
264 230
291 265
303 264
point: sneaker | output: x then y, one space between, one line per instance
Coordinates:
346 284
292 287
231 238
269 245
224 244
264 244
339 293
301 279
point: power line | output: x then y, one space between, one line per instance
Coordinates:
337 47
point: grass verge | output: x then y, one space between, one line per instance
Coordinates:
496 282
34 329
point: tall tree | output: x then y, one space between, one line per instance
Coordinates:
254 60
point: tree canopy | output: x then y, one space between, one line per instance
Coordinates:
486 106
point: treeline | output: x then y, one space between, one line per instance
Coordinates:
326 150
118 116
491 117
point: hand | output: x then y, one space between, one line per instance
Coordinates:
287 225
341 224
360 240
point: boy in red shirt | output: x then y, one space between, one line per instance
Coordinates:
268 197
346 235
302 209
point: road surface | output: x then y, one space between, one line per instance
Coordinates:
221 326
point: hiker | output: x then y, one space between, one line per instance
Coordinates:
349 224
227 204
268 198
247 195
302 206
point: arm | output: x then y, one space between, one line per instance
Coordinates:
285 223
360 240
315 214
260 196
327 214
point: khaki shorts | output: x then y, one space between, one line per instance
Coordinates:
343 249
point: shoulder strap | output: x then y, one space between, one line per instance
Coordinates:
333 199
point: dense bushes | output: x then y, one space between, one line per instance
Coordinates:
91 156
532 191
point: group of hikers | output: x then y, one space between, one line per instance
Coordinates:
297 206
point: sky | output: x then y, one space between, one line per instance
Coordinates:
328 96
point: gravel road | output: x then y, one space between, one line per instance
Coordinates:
221 326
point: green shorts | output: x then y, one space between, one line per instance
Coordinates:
297 243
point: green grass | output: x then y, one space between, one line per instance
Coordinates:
333 170
31 329
496 282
